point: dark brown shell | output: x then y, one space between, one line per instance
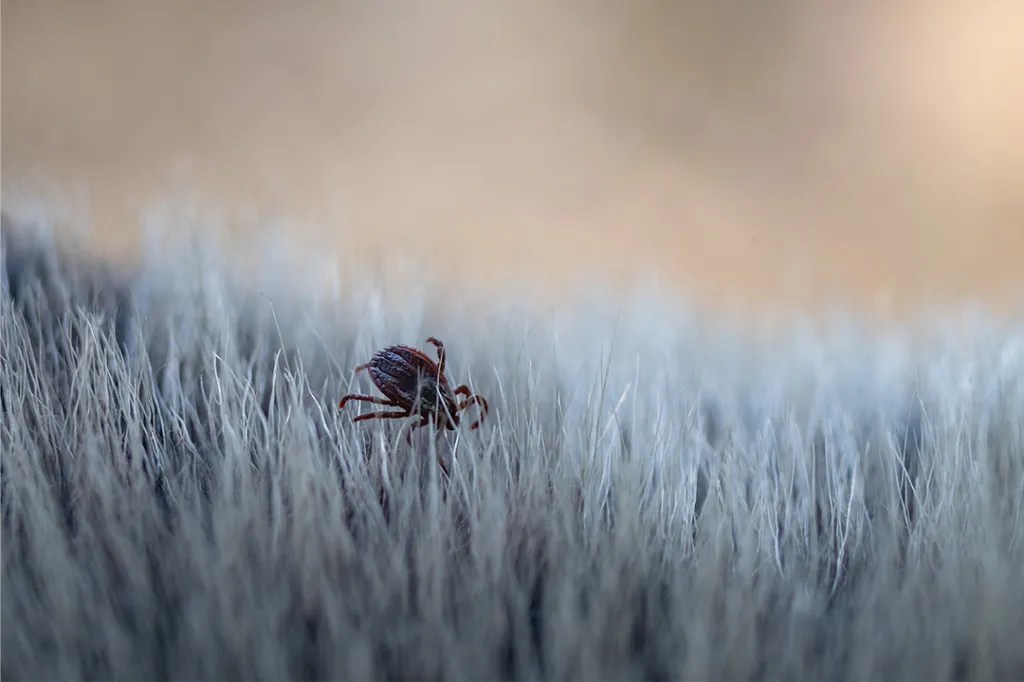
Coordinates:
398 371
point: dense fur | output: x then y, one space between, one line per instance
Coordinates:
652 497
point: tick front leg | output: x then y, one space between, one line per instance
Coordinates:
440 352
366 399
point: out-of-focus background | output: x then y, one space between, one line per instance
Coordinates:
762 152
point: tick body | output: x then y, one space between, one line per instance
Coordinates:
417 385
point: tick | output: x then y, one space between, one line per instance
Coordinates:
417 385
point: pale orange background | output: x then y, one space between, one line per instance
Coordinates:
784 151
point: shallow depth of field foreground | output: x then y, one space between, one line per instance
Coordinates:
652 496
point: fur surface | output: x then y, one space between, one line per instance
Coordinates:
650 498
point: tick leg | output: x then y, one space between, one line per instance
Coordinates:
366 399
472 399
365 365
408 434
423 422
381 415
444 467
479 402
440 459
440 353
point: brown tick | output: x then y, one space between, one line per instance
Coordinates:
417 385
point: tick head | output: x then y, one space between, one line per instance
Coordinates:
435 399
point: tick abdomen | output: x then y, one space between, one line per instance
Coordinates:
398 371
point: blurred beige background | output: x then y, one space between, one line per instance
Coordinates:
761 152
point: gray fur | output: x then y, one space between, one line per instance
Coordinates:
182 499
